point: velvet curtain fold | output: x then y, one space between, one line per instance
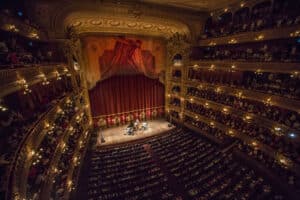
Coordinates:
126 93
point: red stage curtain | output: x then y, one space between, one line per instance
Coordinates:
127 58
126 93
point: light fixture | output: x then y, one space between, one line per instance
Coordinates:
24 85
277 128
232 41
268 101
59 110
218 90
292 135
34 35
230 132
196 66
212 44
242 4
47 125
11 27
247 118
3 108
225 110
258 72
239 94
259 37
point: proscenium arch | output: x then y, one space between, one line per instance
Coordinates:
95 22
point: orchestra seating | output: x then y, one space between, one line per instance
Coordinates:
176 164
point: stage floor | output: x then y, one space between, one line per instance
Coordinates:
118 134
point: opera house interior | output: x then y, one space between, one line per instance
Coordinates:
150 100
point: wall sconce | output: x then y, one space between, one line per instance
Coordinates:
212 67
254 143
34 35
3 108
239 95
24 85
259 37
268 102
218 90
11 27
225 110
258 72
232 41
196 66
247 118
231 133
295 33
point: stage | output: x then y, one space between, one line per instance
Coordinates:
118 134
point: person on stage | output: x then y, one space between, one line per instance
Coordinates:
137 124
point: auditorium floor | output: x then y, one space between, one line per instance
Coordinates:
118 135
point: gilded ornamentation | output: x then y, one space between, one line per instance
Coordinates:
178 44
11 24
124 24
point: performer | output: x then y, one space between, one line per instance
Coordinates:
130 128
137 124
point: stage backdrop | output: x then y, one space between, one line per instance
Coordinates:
109 56
123 74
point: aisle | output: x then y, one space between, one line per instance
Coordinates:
172 181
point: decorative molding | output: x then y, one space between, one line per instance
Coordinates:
9 79
268 34
101 23
287 103
178 44
232 66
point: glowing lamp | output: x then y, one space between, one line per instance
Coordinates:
292 135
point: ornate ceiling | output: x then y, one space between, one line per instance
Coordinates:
117 17
201 5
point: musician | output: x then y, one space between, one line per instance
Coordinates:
136 124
